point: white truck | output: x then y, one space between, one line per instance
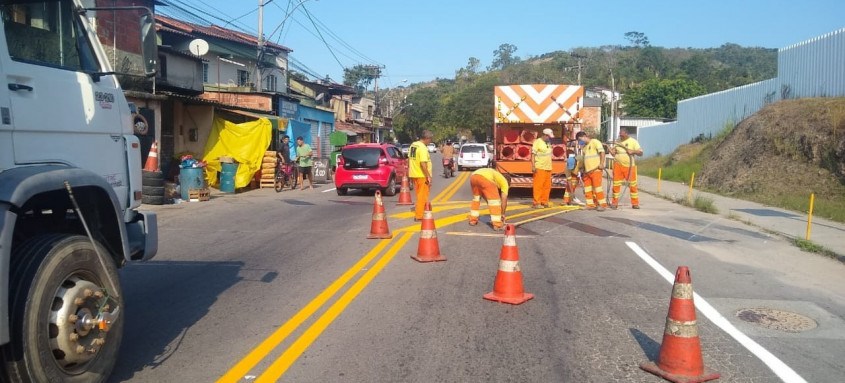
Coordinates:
70 186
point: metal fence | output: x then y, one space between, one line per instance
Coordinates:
813 68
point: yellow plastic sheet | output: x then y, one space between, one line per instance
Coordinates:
245 142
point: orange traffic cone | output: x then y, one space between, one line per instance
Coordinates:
405 193
680 358
508 286
152 159
379 229
428 249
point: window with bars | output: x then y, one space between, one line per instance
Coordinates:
270 83
243 78
205 72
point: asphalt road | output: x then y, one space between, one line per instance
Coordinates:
264 286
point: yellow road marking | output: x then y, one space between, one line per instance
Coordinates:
281 365
299 346
457 187
264 348
453 185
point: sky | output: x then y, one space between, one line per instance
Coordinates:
417 41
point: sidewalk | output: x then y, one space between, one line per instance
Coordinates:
829 234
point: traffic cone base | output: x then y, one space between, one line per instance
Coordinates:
680 357
508 286
405 193
428 249
378 228
654 369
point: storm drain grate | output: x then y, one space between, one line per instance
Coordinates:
777 319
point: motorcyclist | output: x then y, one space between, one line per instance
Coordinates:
448 151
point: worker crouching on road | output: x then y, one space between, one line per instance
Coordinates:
419 171
593 152
493 186
625 168
541 166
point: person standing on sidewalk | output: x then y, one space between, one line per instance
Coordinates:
419 164
593 152
625 168
303 160
493 186
541 166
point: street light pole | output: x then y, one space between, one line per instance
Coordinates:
257 80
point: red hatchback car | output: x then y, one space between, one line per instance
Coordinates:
370 166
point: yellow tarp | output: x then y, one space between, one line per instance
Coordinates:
245 142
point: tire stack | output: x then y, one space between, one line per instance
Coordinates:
152 184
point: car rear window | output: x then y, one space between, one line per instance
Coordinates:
472 149
361 157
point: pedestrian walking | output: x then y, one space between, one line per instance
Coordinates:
419 164
625 168
541 166
594 157
493 186
303 160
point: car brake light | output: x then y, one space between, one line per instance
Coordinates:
462 154
483 153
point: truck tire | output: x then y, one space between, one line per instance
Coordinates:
145 175
152 200
153 182
153 191
49 278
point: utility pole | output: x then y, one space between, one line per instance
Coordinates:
579 57
257 80
376 72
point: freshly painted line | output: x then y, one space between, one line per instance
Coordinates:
281 365
328 190
467 234
265 347
532 219
784 372
454 185
457 187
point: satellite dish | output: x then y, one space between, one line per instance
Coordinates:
198 47
320 97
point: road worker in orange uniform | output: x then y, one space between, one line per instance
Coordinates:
490 184
625 168
593 164
541 166
419 171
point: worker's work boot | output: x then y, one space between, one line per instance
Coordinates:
614 207
636 207
601 208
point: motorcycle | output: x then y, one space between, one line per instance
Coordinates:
448 167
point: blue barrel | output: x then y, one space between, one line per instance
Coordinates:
227 177
190 178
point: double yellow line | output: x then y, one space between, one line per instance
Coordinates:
450 190
289 356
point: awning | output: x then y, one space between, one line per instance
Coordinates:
351 129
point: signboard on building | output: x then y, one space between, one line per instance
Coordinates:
287 109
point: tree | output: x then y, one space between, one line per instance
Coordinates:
359 77
503 57
637 39
471 70
659 97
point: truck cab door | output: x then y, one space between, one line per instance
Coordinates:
60 112
7 159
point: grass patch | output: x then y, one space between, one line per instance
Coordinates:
702 204
679 166
811 247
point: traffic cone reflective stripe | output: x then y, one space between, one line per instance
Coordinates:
428 249
152 159
508 286
680 357
405 193
378 227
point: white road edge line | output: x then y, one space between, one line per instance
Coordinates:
326 191
784 372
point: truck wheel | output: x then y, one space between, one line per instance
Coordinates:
58 288
390 190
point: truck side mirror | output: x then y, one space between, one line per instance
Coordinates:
149 46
